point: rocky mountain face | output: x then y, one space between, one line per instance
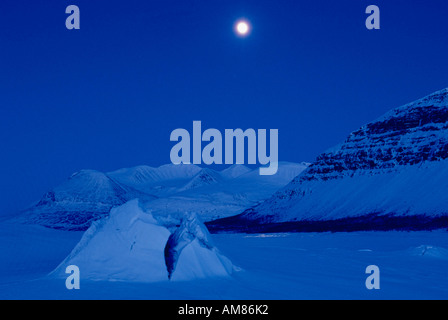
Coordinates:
389 174
408 135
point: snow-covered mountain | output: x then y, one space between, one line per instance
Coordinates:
390 174
86 196
169 191
217 194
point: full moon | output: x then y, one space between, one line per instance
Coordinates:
242 28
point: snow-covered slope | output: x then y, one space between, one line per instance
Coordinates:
160 181
169 191
391 173
234 171
130 245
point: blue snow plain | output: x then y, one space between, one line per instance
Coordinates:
413 265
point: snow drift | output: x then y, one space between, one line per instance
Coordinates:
131 245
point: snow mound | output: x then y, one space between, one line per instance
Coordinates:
429 251
129 245
189 253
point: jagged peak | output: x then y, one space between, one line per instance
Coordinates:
204 177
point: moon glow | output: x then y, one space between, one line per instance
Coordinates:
242 28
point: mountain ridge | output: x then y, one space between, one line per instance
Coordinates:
393 168
168 191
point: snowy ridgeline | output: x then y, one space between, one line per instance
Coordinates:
131 245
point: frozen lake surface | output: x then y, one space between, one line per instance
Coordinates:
413 265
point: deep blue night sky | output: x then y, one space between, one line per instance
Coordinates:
108 95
